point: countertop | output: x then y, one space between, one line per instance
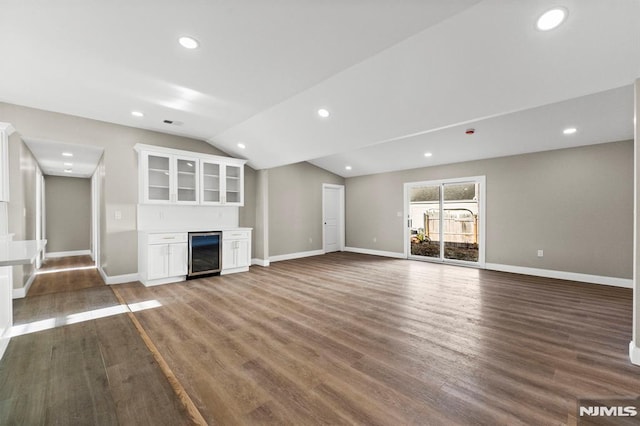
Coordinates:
211 229
20 252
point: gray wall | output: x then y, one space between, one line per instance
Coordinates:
22 203
119 237
68 213
247 213
295 207
576 204
261 230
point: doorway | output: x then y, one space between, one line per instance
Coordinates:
446 221
332 217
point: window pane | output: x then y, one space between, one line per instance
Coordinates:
460 221
424 231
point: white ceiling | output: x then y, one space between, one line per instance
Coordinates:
48 154
398 77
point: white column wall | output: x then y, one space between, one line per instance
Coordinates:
634 346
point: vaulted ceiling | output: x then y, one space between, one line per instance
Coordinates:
398 78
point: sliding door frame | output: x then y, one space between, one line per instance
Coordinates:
482 234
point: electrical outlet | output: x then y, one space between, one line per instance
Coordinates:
399 214
375 240
540 253
310 240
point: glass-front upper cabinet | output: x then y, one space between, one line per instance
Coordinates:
234 184
169 179
211 183
158 178
172 176
187 180
222 183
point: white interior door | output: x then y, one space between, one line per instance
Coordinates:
333 217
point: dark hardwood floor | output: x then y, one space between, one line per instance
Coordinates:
335 339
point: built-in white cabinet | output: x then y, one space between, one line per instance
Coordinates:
169 179
222 182
162 257
6 130
236 251
170 176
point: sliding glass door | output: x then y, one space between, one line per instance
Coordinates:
445 220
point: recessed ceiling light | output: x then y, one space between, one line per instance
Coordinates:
551 19
188 42
137 114
67 154
323 113
428 154
569 130
68 170
347 168
241 146
68 164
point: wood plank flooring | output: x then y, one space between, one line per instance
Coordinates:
355 339
91 372
335 339
65 274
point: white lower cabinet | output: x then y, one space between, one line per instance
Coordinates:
162 258
236 251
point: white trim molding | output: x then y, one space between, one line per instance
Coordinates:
297 255
21 293
55 254
5 337
562 275
634 353
260 262
393 254
118 279
161 281
4 341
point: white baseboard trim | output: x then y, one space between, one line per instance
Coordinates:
162 281
562 275
634 353
260 262
4 341
393 254
54 254
118 279
21 293
234 270
298 255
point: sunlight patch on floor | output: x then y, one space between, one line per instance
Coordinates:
50 323
52 271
